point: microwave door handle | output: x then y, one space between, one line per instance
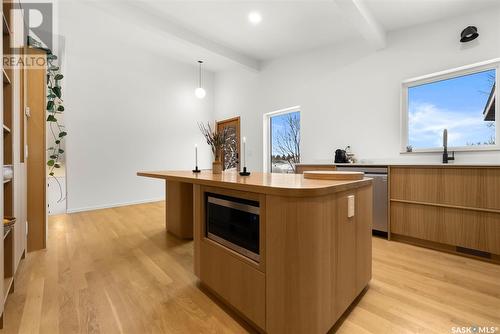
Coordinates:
234 205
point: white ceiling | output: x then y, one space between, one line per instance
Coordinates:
398 14
219 31
286 27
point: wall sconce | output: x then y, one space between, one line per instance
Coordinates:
469 34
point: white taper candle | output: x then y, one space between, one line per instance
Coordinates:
196 155
244 152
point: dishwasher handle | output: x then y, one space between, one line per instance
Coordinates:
382 177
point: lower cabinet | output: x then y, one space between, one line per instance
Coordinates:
456 208
463 228
234 280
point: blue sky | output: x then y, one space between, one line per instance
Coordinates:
278 125
455 104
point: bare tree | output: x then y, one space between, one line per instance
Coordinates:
288 141
490 124
230 154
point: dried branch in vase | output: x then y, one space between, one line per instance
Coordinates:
216 139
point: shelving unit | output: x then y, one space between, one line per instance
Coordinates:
14 241
8 159
8 258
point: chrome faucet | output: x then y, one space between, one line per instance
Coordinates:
446 158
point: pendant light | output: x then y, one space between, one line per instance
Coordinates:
200 92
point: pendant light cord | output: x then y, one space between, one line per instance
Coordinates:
200 62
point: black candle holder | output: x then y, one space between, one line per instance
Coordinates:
244 172
196 170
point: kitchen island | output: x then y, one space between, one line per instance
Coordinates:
302 256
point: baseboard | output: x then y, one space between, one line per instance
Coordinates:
114 205
452 249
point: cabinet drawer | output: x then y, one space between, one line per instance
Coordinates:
468 187
451 226
240 284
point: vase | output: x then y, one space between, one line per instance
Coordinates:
216 167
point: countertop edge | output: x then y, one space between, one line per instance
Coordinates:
275 191
409 165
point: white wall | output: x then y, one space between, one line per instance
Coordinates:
349 94
127 110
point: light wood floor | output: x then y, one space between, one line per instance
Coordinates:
117 271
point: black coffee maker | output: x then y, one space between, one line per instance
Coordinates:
340 156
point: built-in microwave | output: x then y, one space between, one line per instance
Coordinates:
234 223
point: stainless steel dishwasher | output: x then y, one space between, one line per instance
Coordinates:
380 189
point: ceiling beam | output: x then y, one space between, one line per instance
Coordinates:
364 21
146 16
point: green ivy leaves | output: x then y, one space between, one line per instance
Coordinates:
54 107
57 91
52 163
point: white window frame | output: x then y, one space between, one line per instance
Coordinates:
493 64
266 159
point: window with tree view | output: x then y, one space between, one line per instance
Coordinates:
285 142
463 104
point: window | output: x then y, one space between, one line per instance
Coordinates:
282 140
463 101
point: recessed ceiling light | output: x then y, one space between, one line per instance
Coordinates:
254 17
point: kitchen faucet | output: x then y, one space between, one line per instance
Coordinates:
446 158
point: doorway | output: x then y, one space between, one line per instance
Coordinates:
231 154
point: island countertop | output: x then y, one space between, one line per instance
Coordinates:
264 183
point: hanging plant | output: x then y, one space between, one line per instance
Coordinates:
55 108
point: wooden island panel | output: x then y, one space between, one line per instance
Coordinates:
179 209
318 260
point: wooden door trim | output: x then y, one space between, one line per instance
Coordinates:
36 176
236 119
228 120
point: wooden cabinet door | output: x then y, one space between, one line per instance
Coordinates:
231 152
